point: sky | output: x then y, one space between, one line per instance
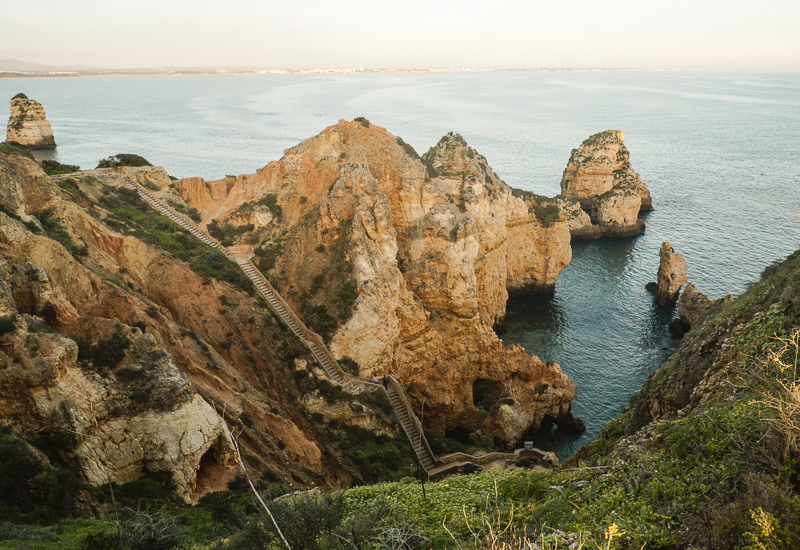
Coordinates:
485 34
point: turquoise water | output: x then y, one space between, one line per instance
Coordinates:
720 153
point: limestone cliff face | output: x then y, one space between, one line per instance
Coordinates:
25 188
599 177
106 426
68 282
28 126
434 246
671 274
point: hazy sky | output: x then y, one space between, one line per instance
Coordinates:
675 34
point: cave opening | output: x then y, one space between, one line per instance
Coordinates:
485 393
209 472
458 434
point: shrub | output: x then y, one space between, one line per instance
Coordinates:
7 324
146 530
364 122
306 522
53 167
110 351
123 159
30 490
349 365
271 201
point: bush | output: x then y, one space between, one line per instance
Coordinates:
7 324
350 365
31 491
306 522
364 122
53 168
145 530
123 159
110 351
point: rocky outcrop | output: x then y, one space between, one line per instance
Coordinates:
28 126
107 425
732 343
600 179
434 246
694 307
68 281
671 274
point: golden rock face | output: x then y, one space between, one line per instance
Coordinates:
599 178
28 125
436 245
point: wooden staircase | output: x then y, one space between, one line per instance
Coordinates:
287 314
411 425
171 214
397 395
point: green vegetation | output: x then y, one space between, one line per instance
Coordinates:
54 230
19 96
53 167
31 491
342 293
8 323
225 234
130 215
10 149
267 256
110 351
123 159
408 149
192 213
364 122
271 201
546 210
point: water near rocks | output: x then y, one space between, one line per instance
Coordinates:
720 153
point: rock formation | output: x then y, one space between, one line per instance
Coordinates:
429 249
694 307
28 126
600 179
671 274
115 356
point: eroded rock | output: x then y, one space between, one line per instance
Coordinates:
436 245
599 178
28 125
671 274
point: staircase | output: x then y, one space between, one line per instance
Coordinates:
287 314
397 395
171 214
411 425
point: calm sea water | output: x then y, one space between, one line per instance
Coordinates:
720 153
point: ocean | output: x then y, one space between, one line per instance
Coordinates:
720 153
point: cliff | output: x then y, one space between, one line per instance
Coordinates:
28 126
599 178
405 265
711 440
111 371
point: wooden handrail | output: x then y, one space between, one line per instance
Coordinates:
417 424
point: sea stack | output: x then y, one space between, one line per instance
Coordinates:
603 195
28 126
671 274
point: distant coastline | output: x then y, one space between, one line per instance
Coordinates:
228 72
